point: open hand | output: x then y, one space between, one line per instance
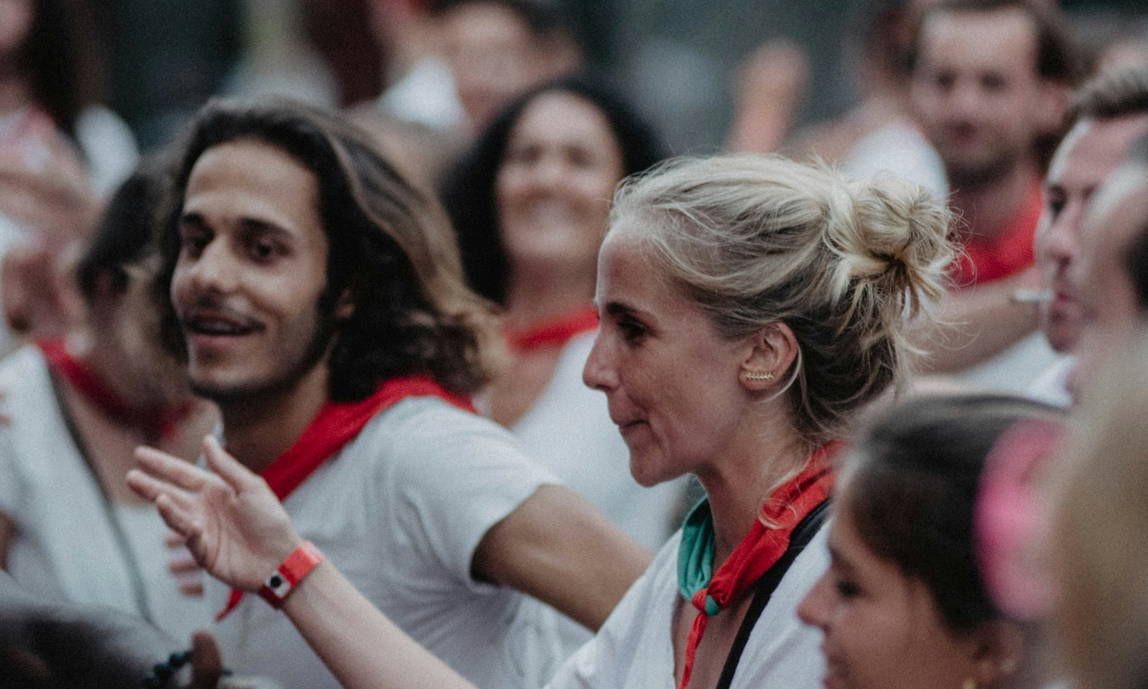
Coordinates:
234 526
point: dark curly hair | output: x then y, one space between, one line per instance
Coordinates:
390 248
912 485
469 190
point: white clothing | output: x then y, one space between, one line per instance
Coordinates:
1014 369
570 432
634 648
425 95
1051 386
109 148
66 541
898 148
400 511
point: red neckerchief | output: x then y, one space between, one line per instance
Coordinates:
1008 253
762 547
334 426
555 332
154 423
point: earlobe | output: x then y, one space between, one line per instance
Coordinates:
998 652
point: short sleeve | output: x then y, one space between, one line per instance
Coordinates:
456 475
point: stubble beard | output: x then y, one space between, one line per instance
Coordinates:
247 394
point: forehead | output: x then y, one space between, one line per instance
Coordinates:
629 272
561 114
998 40
250 179
1092 149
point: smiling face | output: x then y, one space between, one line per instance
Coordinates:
1088 154
556 180
250 272
671 380
883 630
976 91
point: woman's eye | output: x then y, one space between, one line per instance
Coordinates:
631 330
846 588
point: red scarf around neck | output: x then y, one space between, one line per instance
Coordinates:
154 423
334 426
554 332
762 547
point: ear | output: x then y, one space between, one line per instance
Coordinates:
1054 97
345 306
997 652
771 352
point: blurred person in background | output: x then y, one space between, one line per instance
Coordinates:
903 604
60 151
530 205
76 406
876 135
989 80
498 49
1108 114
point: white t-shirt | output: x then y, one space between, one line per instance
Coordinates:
1013 370
400 511
634 648
66 541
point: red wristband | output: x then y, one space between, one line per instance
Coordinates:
284 579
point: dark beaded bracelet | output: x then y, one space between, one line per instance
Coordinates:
162 672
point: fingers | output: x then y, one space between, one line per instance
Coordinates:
206 662
181 520
171 469
192 589
150 488
227 467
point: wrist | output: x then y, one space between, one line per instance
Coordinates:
294 568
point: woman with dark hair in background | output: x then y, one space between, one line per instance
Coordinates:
904 604
530 205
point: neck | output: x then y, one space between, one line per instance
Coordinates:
540 294
740 482
987 210
260 427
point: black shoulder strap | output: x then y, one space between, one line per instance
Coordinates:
763 590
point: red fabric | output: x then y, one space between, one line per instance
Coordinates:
763 546
154 423
553 333
334 426
1008 253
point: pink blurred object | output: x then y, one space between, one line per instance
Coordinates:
1010 520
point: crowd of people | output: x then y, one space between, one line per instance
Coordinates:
512 398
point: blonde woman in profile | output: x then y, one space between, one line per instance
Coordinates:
751 308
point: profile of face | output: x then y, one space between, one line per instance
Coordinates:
1089 153
251 269
976 92
671 379
883 629
1109 303
492 55
555 182
16 17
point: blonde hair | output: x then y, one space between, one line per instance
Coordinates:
760 239
1099 524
